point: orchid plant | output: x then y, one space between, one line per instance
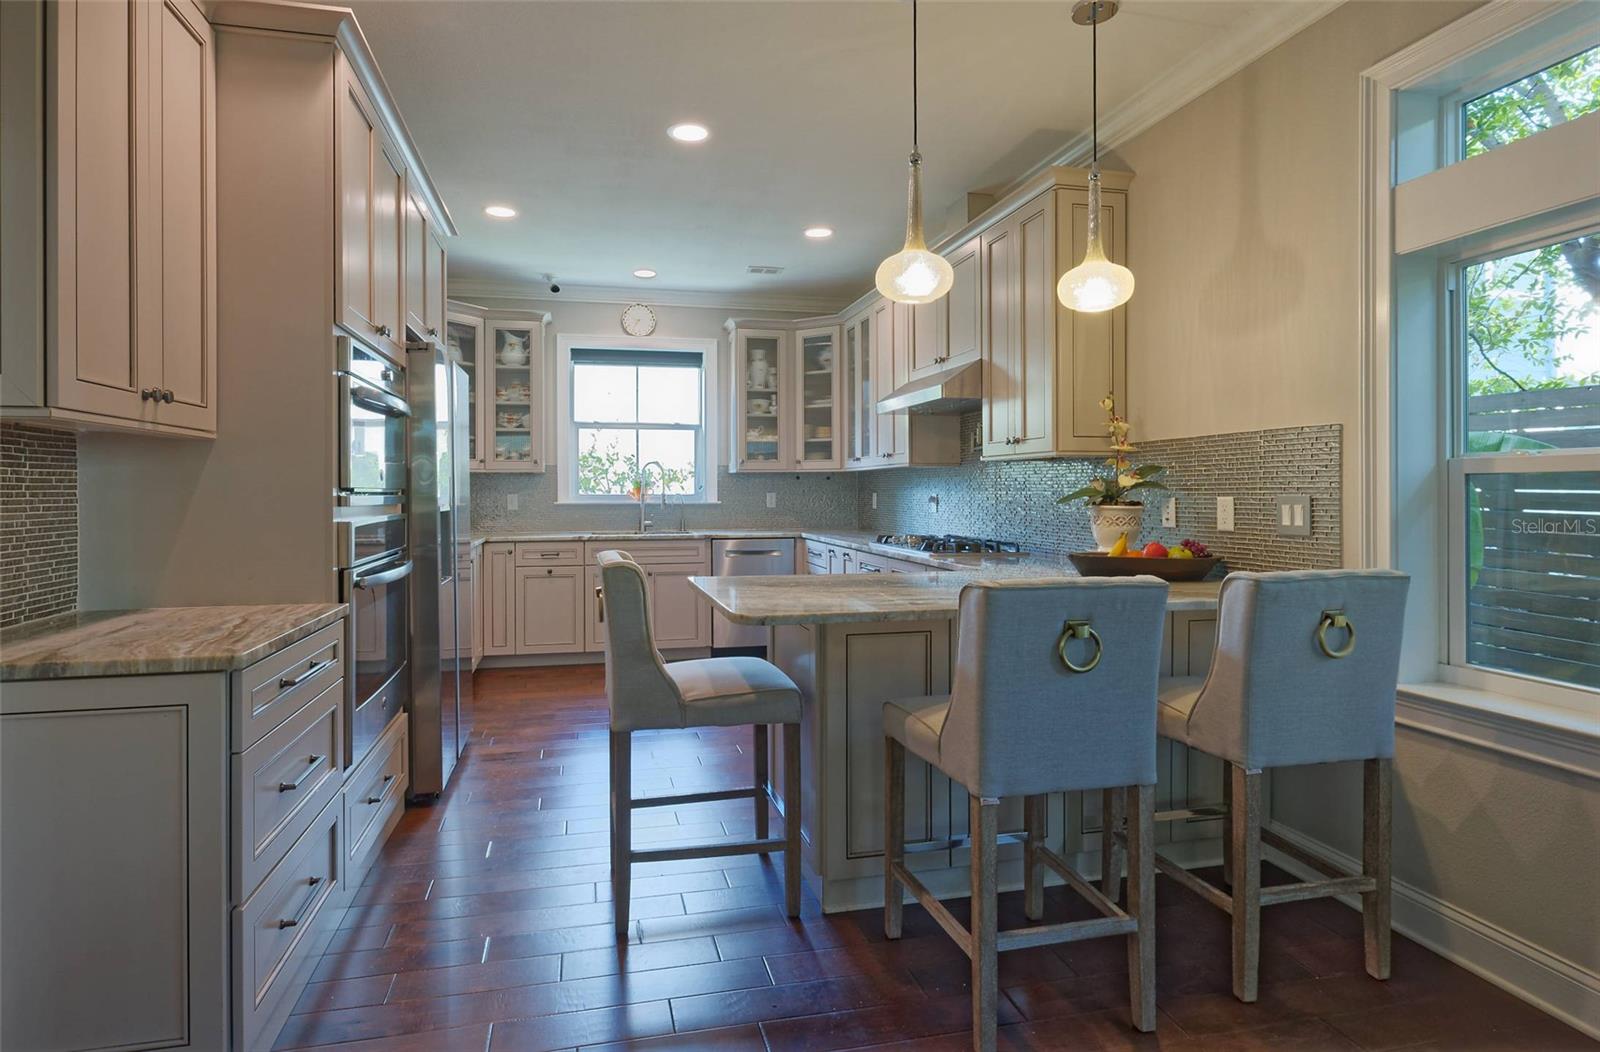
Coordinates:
1124 477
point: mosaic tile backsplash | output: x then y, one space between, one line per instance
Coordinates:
1016 500
804 501
38 523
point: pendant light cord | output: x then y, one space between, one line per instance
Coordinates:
914 148
1094 78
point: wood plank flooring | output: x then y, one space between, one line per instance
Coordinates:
485 927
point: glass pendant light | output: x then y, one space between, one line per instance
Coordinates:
1096 284
914 274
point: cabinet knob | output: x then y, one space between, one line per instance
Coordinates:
384 330
148 393
433 330
166 395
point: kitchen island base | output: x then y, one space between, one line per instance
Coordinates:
847 670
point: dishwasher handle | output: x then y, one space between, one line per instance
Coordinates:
767 553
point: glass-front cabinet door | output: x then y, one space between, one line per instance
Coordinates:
860 395
761 401
464 337
817 439
513 397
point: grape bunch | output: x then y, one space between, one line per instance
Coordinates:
1198 550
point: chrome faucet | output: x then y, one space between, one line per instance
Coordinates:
644 490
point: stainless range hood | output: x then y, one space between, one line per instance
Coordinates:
955 388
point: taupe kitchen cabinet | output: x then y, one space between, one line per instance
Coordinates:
861 397
127 94
549 609
497 612
424 271
818 396
464 340
370 227
902 439
1045 368
946 331
512 392
760 404
679 616
172 847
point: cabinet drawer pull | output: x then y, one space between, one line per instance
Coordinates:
599 604
549 555
374 799
305 907
312 763
315 668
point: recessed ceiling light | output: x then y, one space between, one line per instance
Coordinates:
500 211
817 233
689 132
644 272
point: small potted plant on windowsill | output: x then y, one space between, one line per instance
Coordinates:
1111 514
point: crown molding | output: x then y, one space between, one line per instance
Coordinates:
624 294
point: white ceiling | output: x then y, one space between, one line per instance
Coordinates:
560 109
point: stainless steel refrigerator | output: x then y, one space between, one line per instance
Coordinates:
438 500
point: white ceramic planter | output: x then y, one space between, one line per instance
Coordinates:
1110 521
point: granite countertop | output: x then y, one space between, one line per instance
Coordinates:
158 640
790 600
632 535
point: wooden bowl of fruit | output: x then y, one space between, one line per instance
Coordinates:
1188 561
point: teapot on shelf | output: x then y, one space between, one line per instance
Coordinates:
759 372
513 349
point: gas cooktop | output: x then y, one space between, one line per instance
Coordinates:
950 543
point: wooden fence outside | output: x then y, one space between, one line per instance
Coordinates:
1534 600
1567 417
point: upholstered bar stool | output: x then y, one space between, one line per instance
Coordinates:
1054 690
1292 683
646 693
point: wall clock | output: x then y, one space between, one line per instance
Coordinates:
638 320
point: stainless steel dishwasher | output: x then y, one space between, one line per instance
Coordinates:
747 558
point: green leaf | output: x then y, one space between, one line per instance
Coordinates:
1079 494
1147 484
1144 471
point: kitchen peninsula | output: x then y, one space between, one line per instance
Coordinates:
854 641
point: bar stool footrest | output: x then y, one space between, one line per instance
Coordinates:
678 854
699 798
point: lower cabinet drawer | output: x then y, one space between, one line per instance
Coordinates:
281 929
375 792
281 783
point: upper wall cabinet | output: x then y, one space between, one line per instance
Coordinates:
512 393
1045 368
424 272
128 94
945 332
371 221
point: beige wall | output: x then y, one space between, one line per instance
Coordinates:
1243 235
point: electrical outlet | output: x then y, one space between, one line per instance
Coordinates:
1225 514
874 502
1169 512
511 502
1294 515
772 500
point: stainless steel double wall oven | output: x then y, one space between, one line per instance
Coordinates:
375 558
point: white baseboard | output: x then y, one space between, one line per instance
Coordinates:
1549 982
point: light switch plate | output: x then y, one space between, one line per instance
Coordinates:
772 500
1294 515
1169 512
511 502
1225 514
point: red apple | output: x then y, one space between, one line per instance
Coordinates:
1155 550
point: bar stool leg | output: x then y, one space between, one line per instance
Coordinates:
1377 808
1113 811
759 755
1245 822
894 833
1033 821
1227 825
1142 906
791 818
982 814
621 825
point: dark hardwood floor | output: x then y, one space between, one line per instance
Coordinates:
486 925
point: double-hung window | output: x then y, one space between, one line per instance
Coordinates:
1486 291
635 419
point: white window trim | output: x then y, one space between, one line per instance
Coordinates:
1490 711
710 409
